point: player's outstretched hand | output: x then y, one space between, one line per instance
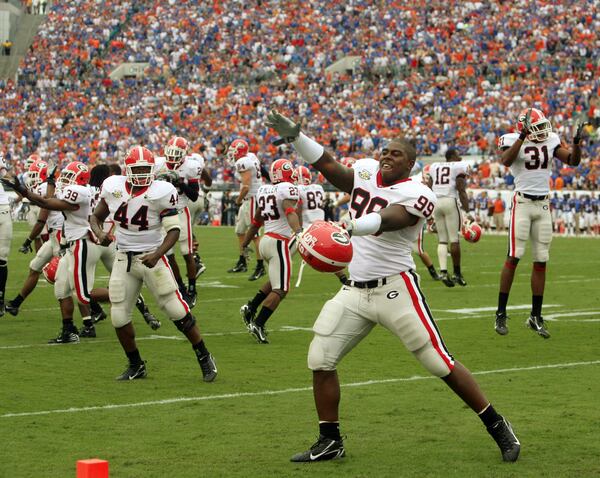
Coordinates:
51 180
579 132
285 127
15 185
526 123
26 247
150 260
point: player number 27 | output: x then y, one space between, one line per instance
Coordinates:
424 205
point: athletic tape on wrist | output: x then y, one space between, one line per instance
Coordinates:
368 224
308 148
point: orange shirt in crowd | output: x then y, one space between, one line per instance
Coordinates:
498 206
559 183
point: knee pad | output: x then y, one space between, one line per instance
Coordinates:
184 246
186 324
321 353
119 316
432 360
173 306
4 250
318 358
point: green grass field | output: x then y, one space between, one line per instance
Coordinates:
59 404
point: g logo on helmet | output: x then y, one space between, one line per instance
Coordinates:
472 232
325 247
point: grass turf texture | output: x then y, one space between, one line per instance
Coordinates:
413 426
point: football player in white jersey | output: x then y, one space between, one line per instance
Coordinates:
529 154
247 166
142 209
6 232
79 263
449 181
387 211
184 171
276 209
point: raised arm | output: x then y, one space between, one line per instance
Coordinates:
571 157
312 152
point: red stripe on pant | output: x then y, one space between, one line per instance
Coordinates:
512 246
79 268
424 316
420 242
288 263
177 293
188 224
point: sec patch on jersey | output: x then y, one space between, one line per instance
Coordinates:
325 247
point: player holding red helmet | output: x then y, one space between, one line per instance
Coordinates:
529 154
276 209
184 171
387 211
141 209
247 166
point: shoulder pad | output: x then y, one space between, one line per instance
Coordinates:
159 189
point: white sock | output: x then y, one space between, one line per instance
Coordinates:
442 251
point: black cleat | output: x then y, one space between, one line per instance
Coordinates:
133 372
507 441
88 331
98 316
435 276
323 449
239 267
447 281
459 279
247 315
200 267
11 308
501 327
260 334
537 325
258 273
152 321
66 337
208 367
190 298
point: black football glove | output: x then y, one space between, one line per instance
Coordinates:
285 127
26 247
578 131
15 185
51 180
526 125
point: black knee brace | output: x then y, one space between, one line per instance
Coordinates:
185 325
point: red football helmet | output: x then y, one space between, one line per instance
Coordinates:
348 162
75 173
282 171
49 270
304 176
176 150
325 246
37 173
32 159
540 126
237 149
139 166
472 232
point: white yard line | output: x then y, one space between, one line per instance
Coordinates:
490 309
225 396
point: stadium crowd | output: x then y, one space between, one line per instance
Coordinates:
444 73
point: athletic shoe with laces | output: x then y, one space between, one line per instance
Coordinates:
208 367
11 308
435 276
507 441
447 280
241 266
459 279
88 331
536 323
190 297
323 449
152 321
247 314
258 273
66 337
501 327
259 333
200 267
134 371
98 316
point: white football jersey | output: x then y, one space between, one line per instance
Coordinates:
311 196
269 200
250 163
444 177
3 196
189 170
55 218
388 253
533 165
138 219
76 223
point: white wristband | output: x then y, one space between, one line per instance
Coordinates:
308 148
366 225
